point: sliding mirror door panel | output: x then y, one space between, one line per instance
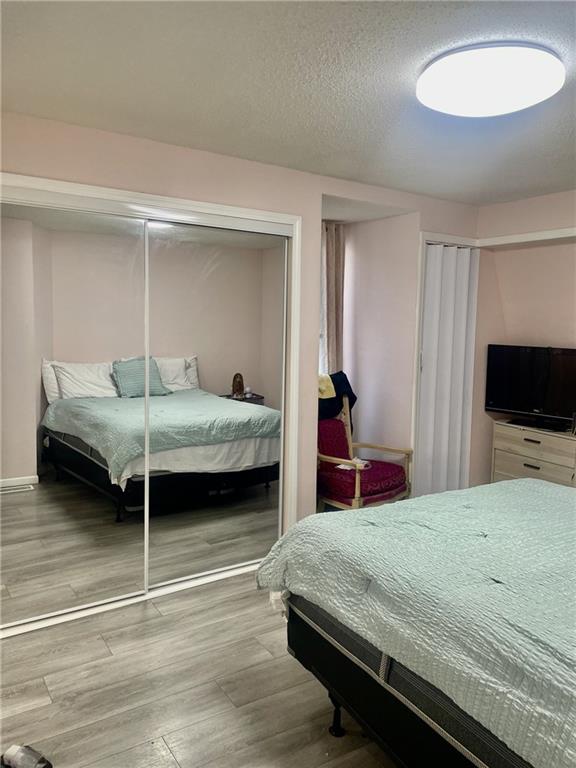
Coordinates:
72 531
216 310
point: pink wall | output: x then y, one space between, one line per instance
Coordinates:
18 386
211 305
204 299
272 326
98 296
525 296
210 300
380 318
56 150
533 214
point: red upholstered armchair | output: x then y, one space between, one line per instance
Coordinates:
348 483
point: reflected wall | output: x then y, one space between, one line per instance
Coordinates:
72 303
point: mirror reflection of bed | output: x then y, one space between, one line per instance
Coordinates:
216 308
219 295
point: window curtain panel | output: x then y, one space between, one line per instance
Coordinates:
447 340
332 297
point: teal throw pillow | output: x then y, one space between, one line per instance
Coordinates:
129 377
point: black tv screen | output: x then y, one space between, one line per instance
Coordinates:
536 381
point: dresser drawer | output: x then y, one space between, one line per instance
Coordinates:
511 465
535 444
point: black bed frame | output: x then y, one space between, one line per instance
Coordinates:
412 740
398 730
175 489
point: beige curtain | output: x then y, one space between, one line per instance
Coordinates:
332 297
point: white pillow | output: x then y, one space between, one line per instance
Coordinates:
49 380
172 372
192 371
85 380
178 372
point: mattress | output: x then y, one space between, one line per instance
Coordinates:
234 456
114 427
470 590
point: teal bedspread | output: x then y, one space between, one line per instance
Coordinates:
114 426
473 590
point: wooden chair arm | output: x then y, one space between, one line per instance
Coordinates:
336 460
384 448
348 463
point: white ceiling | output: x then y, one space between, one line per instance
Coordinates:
326 87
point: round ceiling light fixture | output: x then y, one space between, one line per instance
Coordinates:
490 79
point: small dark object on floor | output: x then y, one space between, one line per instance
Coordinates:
23 757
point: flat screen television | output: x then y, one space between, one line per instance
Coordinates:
534 382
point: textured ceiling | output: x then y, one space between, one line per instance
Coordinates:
325 87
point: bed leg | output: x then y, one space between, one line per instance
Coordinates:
119 511
336 728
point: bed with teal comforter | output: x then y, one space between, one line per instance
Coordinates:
473 590
114 426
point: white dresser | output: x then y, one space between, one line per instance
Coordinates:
527 452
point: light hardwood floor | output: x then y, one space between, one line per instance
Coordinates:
195 679
61 546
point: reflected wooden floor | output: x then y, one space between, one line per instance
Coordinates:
61 546
196 679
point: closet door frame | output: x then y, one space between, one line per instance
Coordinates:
62 195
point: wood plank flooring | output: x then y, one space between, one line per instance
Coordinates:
198 679
62 548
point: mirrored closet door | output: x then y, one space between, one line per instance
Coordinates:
73 307
142 390
216 317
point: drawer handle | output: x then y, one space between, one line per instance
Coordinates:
531 440
531 466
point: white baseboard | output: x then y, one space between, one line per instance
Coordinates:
13 482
